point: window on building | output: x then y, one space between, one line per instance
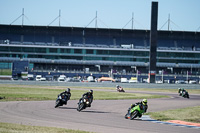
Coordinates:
40 50
89 51
28 49
126 53
65 50
78 51
141 53
4 48
15 49
114 52
53 50
105 52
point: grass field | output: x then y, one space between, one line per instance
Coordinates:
16 128
191 91
31 93
5 72
185 114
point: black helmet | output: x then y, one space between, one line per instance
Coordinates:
67 90
91 91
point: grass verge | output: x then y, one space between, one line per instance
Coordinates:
5 72
16 128
190 114
191 91
27 93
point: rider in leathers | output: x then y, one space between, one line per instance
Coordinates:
181 91
119 88
66 93
142 103
89 95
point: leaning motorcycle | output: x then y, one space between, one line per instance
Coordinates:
83 103
135 112
185 94
62 99
120 89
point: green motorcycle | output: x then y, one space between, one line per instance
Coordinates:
136 111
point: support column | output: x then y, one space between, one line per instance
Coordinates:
153 42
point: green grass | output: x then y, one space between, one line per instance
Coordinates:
33 93
16 128
190 114
191 91
5 72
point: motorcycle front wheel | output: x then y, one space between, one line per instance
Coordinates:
133 115
57 103
80 107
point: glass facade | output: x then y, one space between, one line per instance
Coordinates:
5 65
84 53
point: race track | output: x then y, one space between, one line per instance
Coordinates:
105 116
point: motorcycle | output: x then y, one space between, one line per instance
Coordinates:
184 94
62 99
120 89
83 103
135 112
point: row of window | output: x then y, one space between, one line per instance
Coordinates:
131 59
98 52
74 57
5 65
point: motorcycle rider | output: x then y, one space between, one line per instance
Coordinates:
119 88
66 93
88 95
181 91
142 104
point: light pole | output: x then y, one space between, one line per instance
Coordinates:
162 76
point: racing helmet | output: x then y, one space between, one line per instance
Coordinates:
144 101
91 91
67 90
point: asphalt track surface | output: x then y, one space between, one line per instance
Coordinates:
105 116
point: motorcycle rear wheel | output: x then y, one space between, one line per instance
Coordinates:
126 116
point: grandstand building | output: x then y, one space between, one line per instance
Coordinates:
81 51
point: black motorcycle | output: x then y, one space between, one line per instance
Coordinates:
83 103
185 94
62 99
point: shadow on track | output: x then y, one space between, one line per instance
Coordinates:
89 111
136 120
66 108
86 111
